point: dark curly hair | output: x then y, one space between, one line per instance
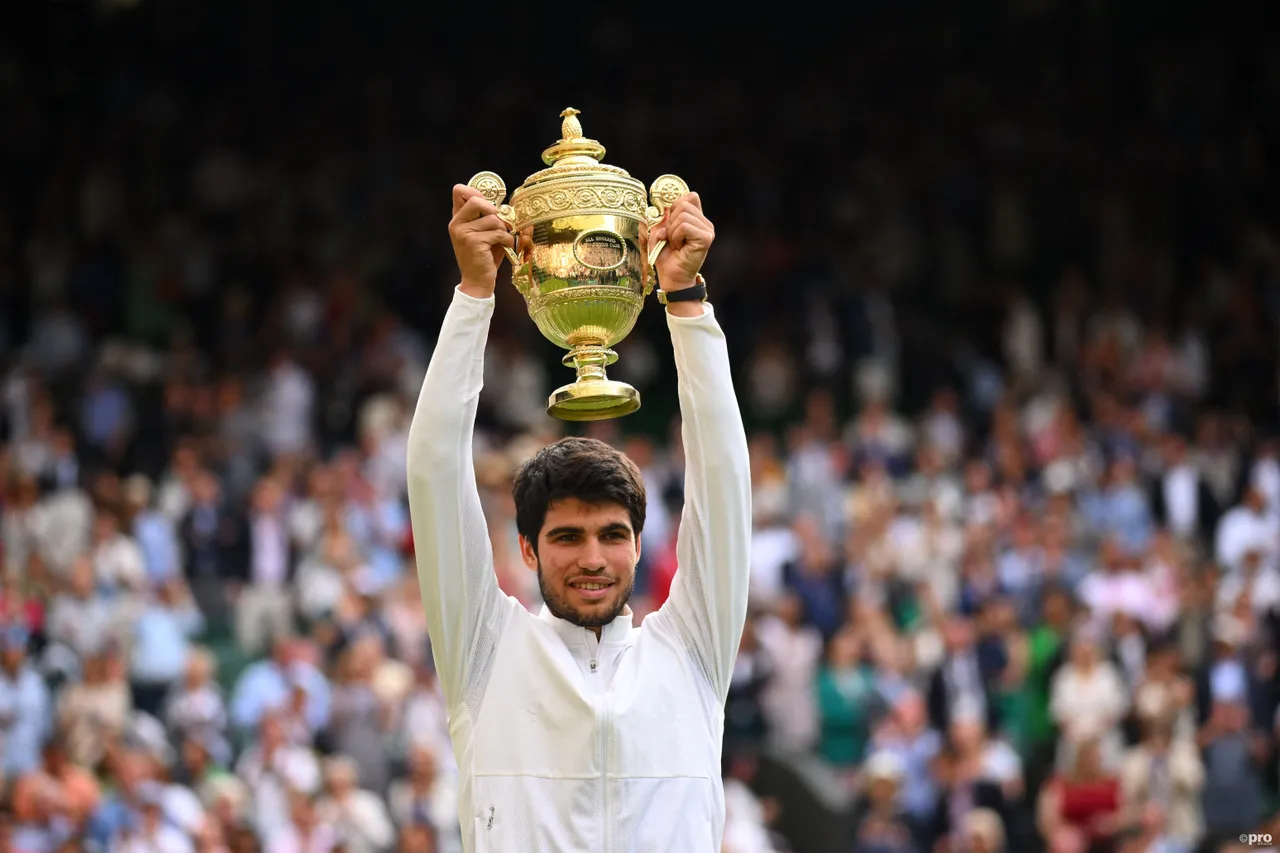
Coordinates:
583 468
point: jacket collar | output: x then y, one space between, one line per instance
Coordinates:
615 632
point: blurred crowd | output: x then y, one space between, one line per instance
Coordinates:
1002 288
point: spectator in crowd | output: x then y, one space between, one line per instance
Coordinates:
426 797
267 684
194 709
879 820
1086 798
1164 771
788 699
161 645
845 693
24 705
359 816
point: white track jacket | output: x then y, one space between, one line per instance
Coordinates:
566 744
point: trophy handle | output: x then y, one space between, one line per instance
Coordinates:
663 193
495 191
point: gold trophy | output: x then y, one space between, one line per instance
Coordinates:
582 261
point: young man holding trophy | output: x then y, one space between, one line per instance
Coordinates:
574 730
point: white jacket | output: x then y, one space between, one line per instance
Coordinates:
565 743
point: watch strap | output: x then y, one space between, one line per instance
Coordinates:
697 293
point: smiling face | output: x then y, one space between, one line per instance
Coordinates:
580 508
585 558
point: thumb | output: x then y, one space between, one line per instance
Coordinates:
658 232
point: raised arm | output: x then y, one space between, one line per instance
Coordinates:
708 600
464 606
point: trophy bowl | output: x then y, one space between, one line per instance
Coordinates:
583 262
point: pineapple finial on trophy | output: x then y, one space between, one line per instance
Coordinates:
573 149
570 128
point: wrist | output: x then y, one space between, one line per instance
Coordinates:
680 283
477 290
686 309
684 301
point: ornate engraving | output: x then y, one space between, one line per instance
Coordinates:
586 196
600 250
664 191
490 186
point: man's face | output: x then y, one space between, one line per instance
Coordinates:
958 634
1255 500
82 578
912 714
586 561
883 790
55 760
12 657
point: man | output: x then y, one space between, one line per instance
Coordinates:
963 680
264 607
573 730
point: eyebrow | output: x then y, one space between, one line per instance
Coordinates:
612 527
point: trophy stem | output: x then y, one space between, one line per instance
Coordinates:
593 396
590 361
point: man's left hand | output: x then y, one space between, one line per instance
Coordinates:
689 234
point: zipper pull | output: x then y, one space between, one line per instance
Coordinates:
593 664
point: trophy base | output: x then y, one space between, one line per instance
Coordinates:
593 400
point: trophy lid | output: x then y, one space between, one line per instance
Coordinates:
576 182
573 154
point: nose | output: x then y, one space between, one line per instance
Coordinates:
591 557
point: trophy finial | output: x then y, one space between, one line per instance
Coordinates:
573 149
570 128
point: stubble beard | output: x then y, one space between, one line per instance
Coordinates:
561 608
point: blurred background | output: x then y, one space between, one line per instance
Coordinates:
1001 279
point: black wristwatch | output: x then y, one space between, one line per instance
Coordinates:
697 293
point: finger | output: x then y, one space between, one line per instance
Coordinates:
685 216
686 202
658 233
689 234
498 239
474 208
492 222
689 213
461 195
692 220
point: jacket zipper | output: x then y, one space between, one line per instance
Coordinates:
604 756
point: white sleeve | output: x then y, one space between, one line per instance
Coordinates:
1061 705
1229 541
460 593
708 600
374 822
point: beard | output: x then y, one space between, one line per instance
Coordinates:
598 616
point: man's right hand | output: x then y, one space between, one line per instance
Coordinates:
479 237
